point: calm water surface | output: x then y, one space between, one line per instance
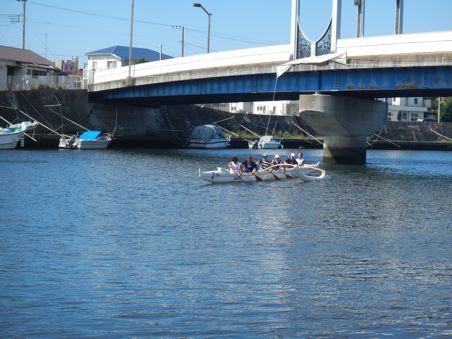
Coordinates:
131 243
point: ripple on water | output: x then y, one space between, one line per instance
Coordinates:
132 243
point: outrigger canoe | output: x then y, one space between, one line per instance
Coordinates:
276 172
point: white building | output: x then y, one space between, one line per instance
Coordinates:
260 107
115 57
406 109
399 109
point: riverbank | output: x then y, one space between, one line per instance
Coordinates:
65 111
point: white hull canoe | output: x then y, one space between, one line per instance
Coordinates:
305 173
221 175
309 173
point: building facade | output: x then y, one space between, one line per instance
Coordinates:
286 107
24 69
407 109
115 57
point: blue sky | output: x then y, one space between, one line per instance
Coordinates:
61 29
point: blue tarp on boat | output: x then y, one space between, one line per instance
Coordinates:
90 135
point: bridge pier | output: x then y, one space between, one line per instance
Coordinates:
344 123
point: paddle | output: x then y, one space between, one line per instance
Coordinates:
257 178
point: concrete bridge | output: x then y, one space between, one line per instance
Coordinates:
335 79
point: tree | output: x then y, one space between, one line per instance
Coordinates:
135 61
446 109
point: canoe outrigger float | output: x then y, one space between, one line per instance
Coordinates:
275 172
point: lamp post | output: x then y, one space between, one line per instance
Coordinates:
360 25
23 23
399 17
197 4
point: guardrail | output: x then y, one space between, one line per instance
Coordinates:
27 82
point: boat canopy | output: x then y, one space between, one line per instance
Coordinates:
207 132
90 135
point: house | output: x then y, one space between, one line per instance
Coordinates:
21 68
283 107
406 109
118 56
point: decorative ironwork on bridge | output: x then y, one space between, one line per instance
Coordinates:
302 46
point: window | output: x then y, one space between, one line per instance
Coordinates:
415 101
111 64
414 116
94 65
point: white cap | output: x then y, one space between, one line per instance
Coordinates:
277 156
292 154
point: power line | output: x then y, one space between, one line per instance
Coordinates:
112 17
217 35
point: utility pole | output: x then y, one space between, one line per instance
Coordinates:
182 28
439 109
45 47
23 22
130 38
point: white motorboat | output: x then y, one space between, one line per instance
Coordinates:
11 135
268 142
93 140
207 136
86 140
305 173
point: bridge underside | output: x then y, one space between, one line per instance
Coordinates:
365 83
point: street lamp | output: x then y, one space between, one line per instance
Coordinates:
197 4
360 25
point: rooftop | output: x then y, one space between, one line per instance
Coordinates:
23 56
137 53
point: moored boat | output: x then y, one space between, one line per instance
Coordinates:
268 142
11 135
93 140
86 140
207 136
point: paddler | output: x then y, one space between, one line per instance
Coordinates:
249 166
264 162
291 159
235 167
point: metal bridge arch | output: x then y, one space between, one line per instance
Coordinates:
302 47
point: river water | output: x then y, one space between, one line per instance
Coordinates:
131 243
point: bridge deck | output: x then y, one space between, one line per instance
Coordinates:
377 66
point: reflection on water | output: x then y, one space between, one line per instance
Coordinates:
132 243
